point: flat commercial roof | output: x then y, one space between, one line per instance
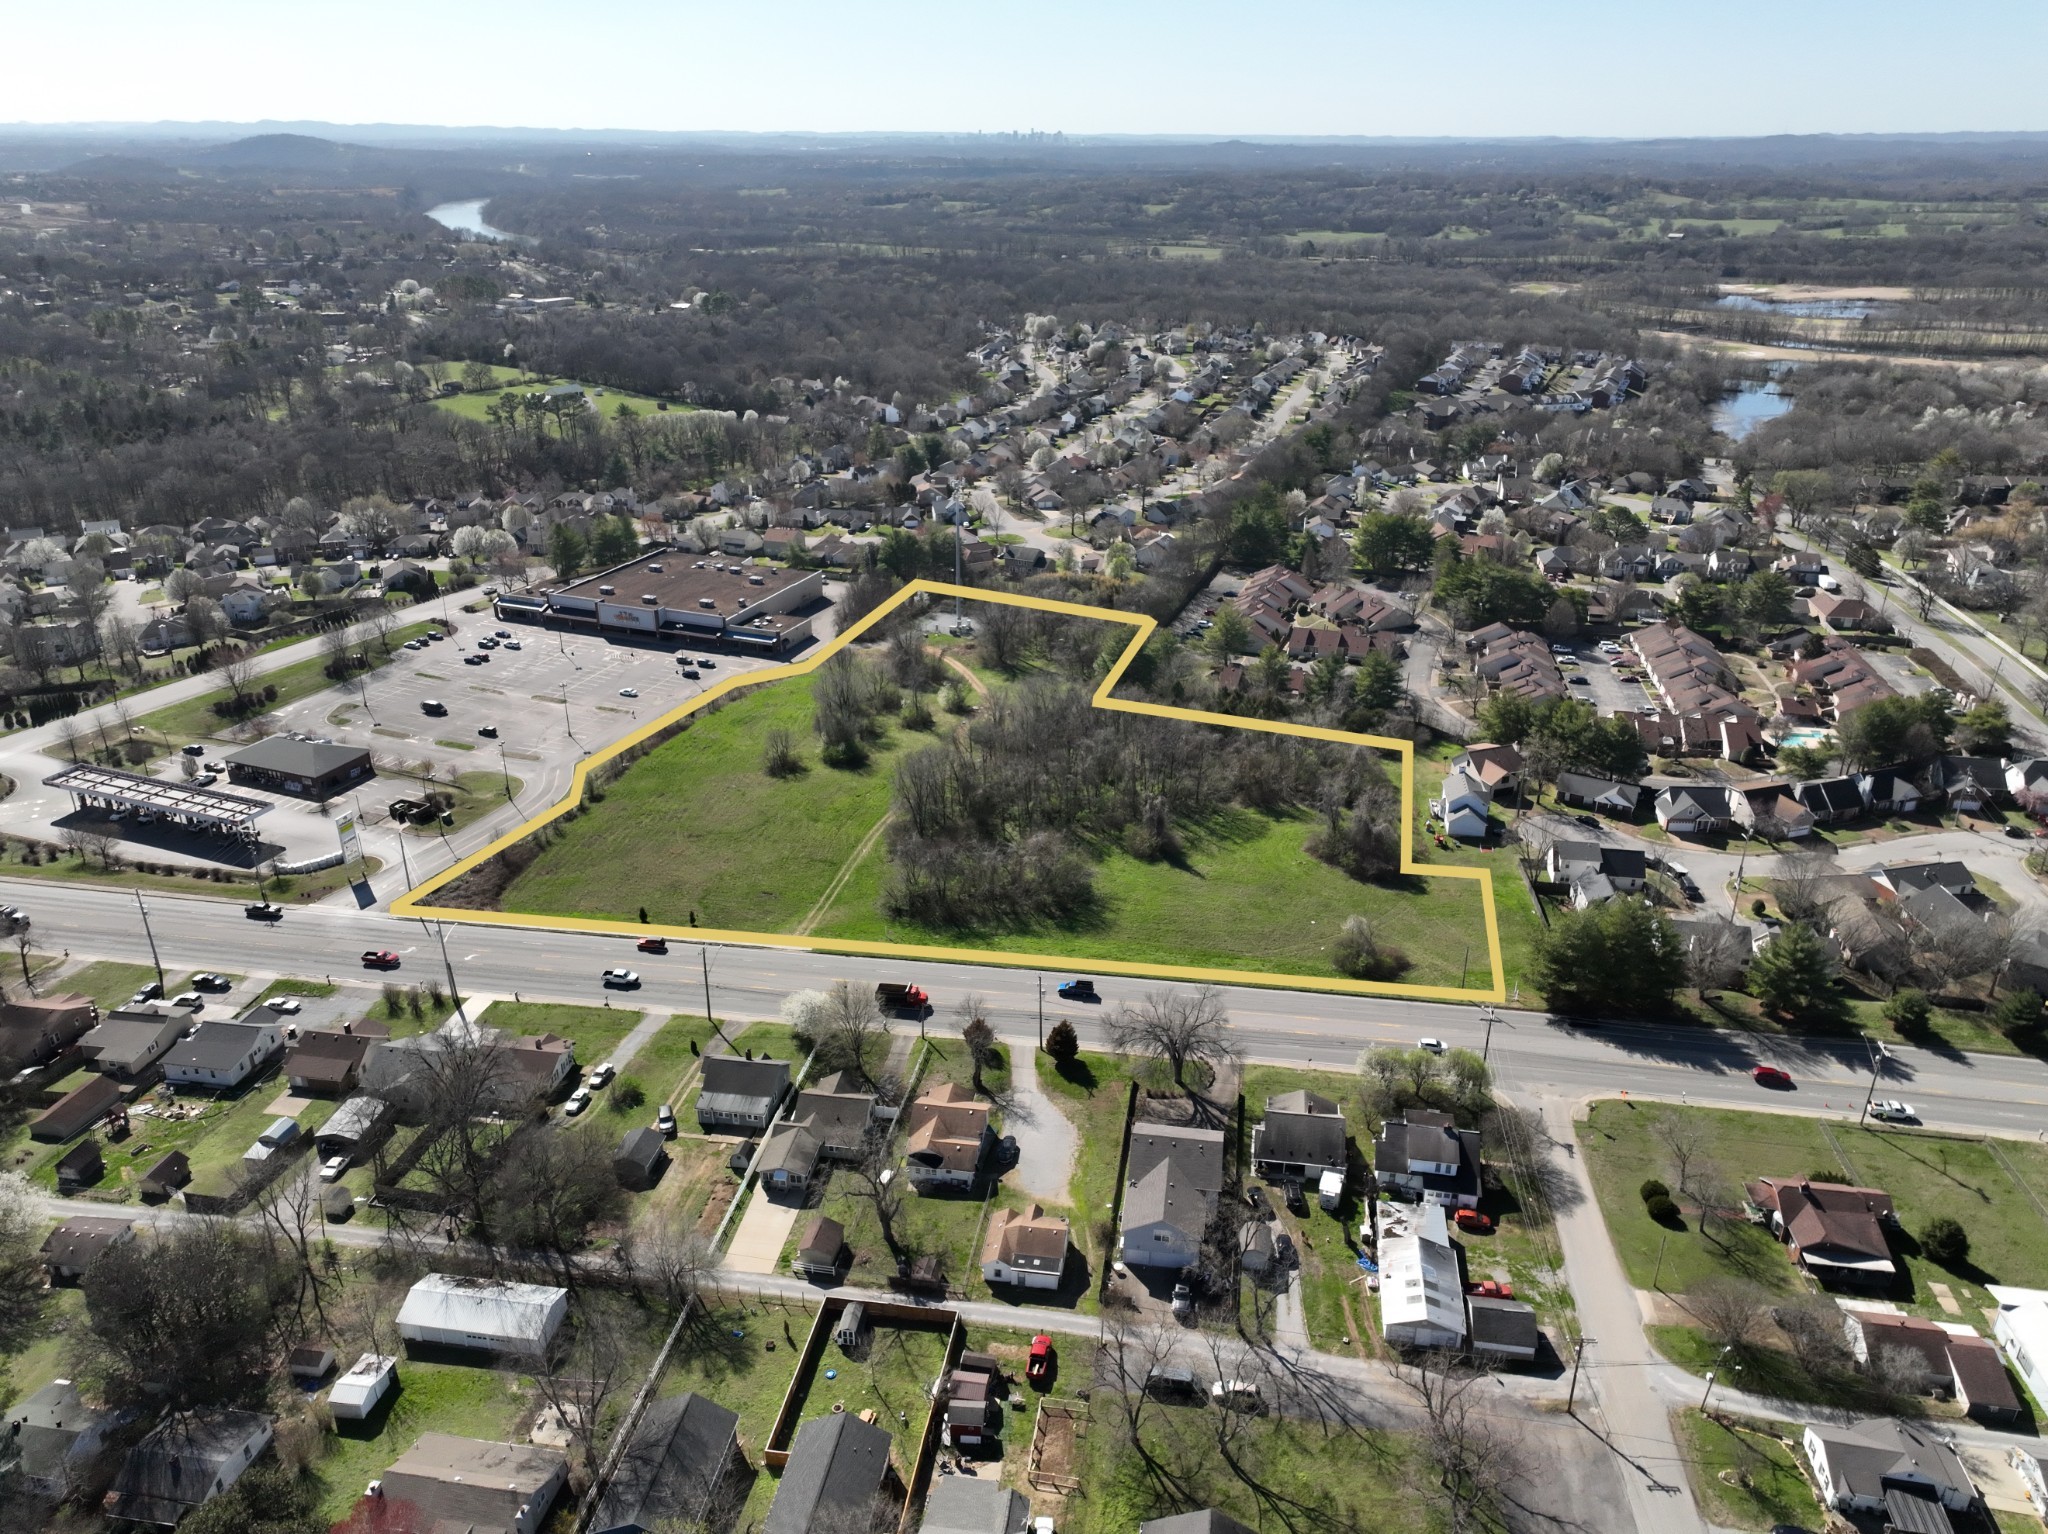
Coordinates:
158 795
685 581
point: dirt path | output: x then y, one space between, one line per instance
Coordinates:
817 912
954 663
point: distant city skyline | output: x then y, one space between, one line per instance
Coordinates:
1485 68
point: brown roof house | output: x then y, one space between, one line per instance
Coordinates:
1949 1359
444 1482
130 1041
325 1061
1028 1249
948 1133
81 1167
1836 1232
70 1249
36 1031
76 1111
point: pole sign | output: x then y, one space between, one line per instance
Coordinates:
345 831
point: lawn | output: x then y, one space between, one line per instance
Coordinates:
663 1061
474 407
595 1031
1984 1185
234 884
194 719
49 1357
697 830
320 988
476 793
431 1398
1337 1480
1748 1479
1326 1239
1094 1092
110 982
771 1039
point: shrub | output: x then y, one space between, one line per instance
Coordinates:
1945 1241
1061 1042
1909 1011
1652 1188
627 1094
779 757
1663 1210
1362 956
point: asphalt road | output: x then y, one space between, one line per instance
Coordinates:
1529 1051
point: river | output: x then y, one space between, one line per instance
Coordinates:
468 218
1803 308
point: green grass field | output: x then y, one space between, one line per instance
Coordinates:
1746 1480
431 1398
697 832
595 1031
476 406
194 719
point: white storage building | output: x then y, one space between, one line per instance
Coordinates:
448 1310
1422 1290
356 1394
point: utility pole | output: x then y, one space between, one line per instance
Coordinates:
159 963
1654 1277
1710 1377
959 619
455 995
505 769
1572 1394
1041 1014
1878 1056
1491 1017
704 960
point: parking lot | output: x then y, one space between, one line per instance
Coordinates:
1602 688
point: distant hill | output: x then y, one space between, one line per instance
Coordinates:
277 151
119 167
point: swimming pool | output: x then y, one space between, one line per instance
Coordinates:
1805 737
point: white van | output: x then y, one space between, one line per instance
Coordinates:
1236 1395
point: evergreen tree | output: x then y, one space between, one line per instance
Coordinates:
1794 977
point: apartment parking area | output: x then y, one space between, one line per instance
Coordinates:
1605 688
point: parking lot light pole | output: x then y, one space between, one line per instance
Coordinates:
505 769
159 963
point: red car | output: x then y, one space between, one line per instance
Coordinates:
1039 1369
652 945
1473 1220
1491 1289
379 958
1771 1076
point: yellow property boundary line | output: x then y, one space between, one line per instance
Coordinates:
414 902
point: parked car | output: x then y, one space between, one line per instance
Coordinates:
332 1168
1078 990
665 1121
504 633
1771 1076
1255 1196
629 692
1039 1366
1491 1289
623 979
578 1101
513 644
692 673
1237 1395
379 958
652 945
488 731
1434 1046
194 750
149 991
602 1073
707 663
290 1006
1590 822
1283 1250
190 1000
208 981
1473 1220
1894 1110
433 706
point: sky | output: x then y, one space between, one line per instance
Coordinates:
1431 68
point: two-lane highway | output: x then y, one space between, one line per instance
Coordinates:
1530 1052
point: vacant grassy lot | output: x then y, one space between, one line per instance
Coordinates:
1337 1480
475 406
431 1398
595 1031
109 982
1093 1091
698 828
1983 1184
1745 1480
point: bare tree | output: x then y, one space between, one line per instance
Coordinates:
1731 1312
548 1190
851 1032
878 1182
1685 1144
1474 1459
236 669
21 1272
1813 1331
334 651
587 1361
1716 954
292 1225
1796 879
673 1258
1177 1028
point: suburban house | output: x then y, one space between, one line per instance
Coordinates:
54 1435
1901 1471
1954 1361
222 1055
172 1172
468 1483
1422 1292
1463 804
1207 1521
80 1167
948 1134
325 1061
1504 1329
76 1111
1173 1176
681 1470
485 1314
1302 1136
70 1249
1494 766
1424 1155
37 1030
1595 873
406 1072
821 1249
128 1044
1890 792
1831 800
639 1160
828 1122
964 1504
1835 1232
1591 793
1775 812
740 1096
1905 879
1972 783
839 1477
1699 810
1028 1249
184 1462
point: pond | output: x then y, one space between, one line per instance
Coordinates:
1806 308
468 218
1749 406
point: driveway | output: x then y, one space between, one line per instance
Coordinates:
1045 1136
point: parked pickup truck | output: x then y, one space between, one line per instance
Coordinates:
901 998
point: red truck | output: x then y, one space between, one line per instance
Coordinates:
1039 1369
901 998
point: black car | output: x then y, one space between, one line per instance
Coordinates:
1590 822
1296 1199
1283 1250
1078 990
263 912
1255 1196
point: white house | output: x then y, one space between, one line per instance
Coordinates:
1028 1249
1862 1467
1422 1296
2021 1330
1463 805
491 1315
222 1054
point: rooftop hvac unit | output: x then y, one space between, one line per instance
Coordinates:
605 591
654 569
755 580
707 601
649 598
